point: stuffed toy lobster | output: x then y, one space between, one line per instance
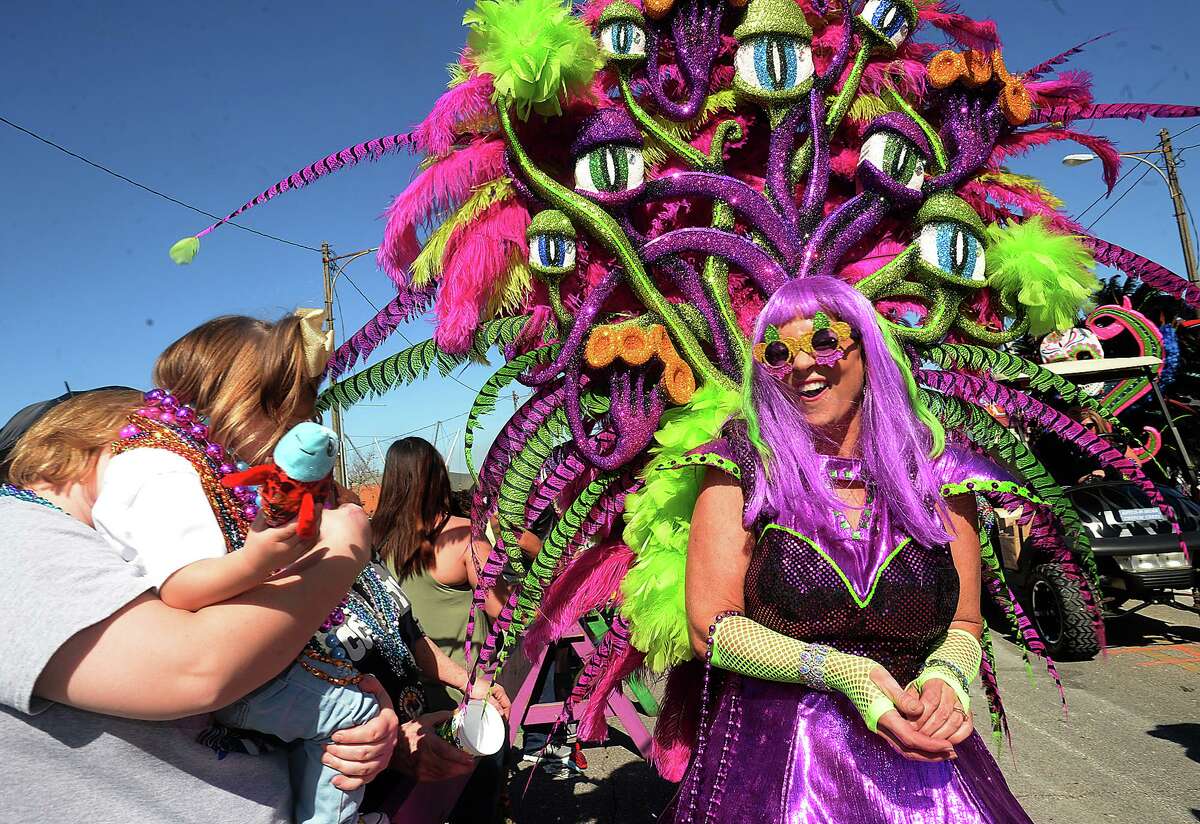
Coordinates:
298 480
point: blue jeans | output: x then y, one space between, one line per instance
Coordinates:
305 711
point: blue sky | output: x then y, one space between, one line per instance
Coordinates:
211 102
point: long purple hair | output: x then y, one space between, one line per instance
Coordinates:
898 434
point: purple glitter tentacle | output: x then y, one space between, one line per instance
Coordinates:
749 204
779 159
696 31
817 188
841 57
766 272
840 231
584 319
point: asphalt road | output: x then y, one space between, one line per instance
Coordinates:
1128 752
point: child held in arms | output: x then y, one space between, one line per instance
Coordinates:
170 501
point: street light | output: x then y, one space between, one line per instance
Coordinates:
1170 178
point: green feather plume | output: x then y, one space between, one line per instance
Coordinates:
657 526
184 251
1049 274
535 51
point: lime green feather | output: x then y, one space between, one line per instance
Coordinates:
535 51
184 251
657 525
1049 274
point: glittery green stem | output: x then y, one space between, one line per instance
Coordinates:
802 159
943 308
565 321
684 150
989 337
935 139
889 276
604 229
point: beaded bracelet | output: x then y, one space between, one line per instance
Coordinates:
950 667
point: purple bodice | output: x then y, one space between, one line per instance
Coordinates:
886 598
793 588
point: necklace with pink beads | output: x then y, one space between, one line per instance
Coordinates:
165 423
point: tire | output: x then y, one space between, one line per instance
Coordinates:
1060 613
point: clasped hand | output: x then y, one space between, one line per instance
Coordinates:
926 724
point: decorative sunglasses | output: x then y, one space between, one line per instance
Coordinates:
826 344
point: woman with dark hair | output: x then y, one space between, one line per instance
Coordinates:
413 509
824 570
430 545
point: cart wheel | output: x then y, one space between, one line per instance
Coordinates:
1061 614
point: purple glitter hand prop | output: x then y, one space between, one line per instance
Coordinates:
696 34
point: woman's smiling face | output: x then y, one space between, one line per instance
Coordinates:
829 396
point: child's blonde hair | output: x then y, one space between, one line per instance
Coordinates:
234 368
65 442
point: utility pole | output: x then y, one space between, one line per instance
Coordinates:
339 467
1185 235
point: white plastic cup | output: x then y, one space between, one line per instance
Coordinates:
477 728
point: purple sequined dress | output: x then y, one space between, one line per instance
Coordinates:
785 753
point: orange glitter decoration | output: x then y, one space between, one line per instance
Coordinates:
979 68
635 345
658 8
946 68
601 347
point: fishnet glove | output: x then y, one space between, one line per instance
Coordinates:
747 647
956 661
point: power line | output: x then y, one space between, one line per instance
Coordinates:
1113 205
146 188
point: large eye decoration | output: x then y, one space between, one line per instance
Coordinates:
954 250
774 57
610 168
551 237
622 32
895 156
608 156
951 241
888 22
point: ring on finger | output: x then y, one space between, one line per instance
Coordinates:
961 712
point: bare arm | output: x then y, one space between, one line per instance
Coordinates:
153 662
718 556
212 580
436 665
964 549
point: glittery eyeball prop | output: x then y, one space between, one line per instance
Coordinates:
893 158
622 33
951 247
609 165
551 237
888 23
774 59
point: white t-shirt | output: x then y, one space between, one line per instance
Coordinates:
153 511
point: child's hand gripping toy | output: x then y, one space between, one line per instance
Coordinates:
298 480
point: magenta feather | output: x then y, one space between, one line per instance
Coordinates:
974 34
1111 111
622 662
441 187
1029 202
1021 142
350 156
588 582
1073 88
408 304
1143 269
678 720
460 106
478 254
1040 69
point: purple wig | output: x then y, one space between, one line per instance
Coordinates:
897 439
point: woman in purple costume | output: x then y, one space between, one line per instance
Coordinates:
826 569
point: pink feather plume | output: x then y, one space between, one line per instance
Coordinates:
439 188
974 34
1021 142
460 106
589 582
477 256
